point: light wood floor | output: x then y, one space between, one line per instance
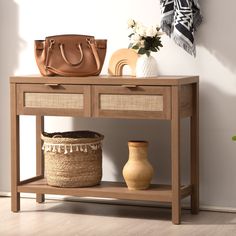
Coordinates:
63 218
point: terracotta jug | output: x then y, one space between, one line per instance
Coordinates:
138 171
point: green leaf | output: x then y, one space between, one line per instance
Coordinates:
142 51
153 49
157 42
130 35
148 53
234 138
130 45
135 47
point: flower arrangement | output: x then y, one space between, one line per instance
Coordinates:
144 39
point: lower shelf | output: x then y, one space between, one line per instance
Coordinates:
118 190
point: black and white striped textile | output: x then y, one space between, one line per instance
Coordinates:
179 20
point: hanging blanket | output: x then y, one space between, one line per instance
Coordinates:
180 19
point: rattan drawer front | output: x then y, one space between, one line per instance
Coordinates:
136 102
131 102
54 99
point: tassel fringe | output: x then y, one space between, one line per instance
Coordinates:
166 24
184 45
58 148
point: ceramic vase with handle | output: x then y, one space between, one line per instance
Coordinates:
138 172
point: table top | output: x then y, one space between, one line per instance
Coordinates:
105 80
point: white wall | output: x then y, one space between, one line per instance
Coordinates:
23 21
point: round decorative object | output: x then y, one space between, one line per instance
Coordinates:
120 58
146 66
137 172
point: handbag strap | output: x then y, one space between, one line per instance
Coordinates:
92 44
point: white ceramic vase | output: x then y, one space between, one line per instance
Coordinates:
146 66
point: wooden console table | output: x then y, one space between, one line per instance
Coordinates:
165 98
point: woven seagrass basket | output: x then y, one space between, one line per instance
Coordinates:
73 159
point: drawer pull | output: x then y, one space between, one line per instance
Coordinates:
52 85
129 86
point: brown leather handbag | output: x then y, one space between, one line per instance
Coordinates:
70 55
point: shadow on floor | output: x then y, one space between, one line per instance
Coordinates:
101 209
134 212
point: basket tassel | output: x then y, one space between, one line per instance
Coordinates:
69 147
65 152
54 148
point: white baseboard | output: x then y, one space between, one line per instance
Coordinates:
218 209
119 202
5 194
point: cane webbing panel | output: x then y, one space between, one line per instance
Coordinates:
54 100
131 102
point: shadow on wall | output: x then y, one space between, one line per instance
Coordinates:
218 31
8 62
217 150
118 132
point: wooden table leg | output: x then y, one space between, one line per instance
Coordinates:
39 153
194 126
15 152
175 156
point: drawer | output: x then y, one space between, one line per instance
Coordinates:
132 101
53 99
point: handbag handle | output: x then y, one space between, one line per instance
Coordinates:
61 45
93 48
92 45
57 136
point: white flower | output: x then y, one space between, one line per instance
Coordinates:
140 38
131 23
151 31
142 43
159 33
135 39
141 30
